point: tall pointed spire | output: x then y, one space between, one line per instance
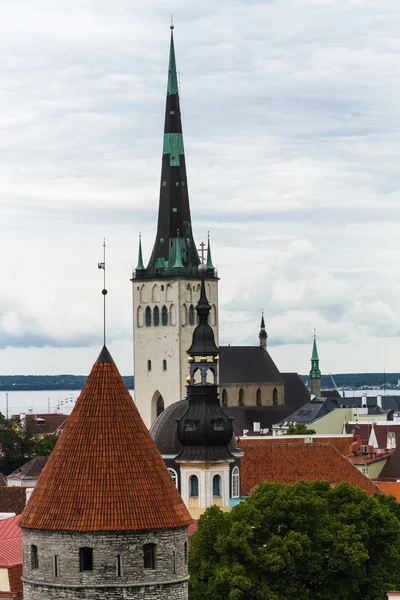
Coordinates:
140 265
174 209
263 334
315 373
209 257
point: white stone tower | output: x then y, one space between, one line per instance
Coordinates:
165 292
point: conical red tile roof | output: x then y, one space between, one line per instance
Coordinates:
105 473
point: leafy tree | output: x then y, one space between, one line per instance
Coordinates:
16 445
299 429
307 541
44 445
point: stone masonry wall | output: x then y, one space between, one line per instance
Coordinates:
135 583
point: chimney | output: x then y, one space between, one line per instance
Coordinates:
364 402
379 401
256 427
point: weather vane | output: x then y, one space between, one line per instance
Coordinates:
102 265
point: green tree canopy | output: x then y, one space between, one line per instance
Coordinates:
302 542
299 429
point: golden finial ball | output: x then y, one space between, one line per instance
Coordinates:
215 358
188 379
172 26
203 359
191 359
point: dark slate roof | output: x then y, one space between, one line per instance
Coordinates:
31 469
246 364
331 394
164 429
314 409
296 392
12 499
391 470
245 416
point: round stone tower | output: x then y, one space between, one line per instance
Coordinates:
105 520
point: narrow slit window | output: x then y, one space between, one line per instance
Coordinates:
174 561
119 565
34 557
185 552
56 567
149 556
149 365
164 365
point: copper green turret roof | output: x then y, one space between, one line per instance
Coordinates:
174 240
209 257
315 372
140 266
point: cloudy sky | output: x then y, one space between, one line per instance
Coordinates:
291 124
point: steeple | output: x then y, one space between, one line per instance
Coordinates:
140 265
263 334
315 373
209 258
174 209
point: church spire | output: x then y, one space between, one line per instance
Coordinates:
174 209
315 373
140 266
263 334
209 257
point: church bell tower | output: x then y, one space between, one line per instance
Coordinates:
165 291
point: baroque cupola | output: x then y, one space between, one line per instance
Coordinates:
204 430
315 373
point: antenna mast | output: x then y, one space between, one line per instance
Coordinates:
102 265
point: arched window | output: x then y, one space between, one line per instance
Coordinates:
241 397
174 476
188 293
148 316
172 315
213 315
34 557
86 559
139 316
149 556
184 314
193 486
164 316
156 316
191 315
155 293
149 365
169 293
224 398
164 365
235 482
160 405
275 396
216 485
143 294
258 397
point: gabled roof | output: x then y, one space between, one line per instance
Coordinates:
289 463
340 442
105 473
43 423
390 488
10 542
246 364
12 499
31 469
313 410
381 431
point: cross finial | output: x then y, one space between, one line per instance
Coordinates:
202 251
102 265
315 332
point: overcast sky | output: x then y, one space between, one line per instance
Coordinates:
290 112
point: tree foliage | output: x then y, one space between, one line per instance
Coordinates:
16 445
299 429
307 541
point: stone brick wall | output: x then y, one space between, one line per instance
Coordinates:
102 583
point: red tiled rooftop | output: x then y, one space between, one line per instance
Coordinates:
289 463
390 488
105 473
340 442
10 542
12 499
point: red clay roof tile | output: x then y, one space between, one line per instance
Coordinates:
105 473
289 463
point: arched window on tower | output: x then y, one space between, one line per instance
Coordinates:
148 316
241 397
213 315
164 316
184 314
156 316
149 365
275 396
235 482
139 317
188 293
258 397
191 315
193 486
160 405
172 315
164 365
174 476
224 398
216 483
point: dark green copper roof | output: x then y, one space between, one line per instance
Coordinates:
174 252
315 372
140 266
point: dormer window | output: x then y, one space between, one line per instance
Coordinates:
191 425
218 425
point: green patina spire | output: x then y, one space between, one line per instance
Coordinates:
172 87
315 373
140 266
178 255
209 257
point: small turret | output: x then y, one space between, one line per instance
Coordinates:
315 373
140 265
263 334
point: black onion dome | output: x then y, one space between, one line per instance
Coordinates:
204 430
164 429
203 342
